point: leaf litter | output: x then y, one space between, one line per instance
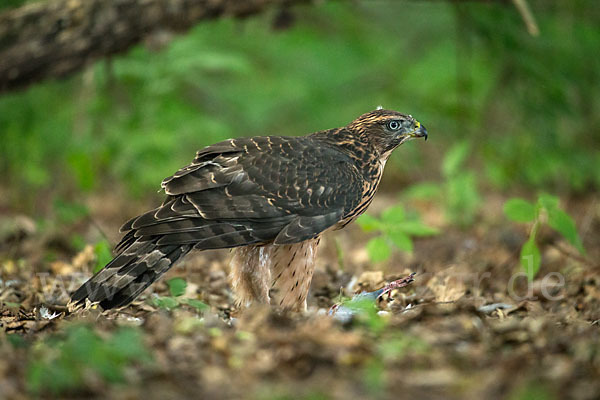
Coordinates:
468 326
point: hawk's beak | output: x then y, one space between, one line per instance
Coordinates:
420 131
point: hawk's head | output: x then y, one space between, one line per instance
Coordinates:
387 129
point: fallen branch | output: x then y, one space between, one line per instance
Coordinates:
54 38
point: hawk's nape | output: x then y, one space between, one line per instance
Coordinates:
270 193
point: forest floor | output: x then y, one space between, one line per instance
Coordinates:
469 326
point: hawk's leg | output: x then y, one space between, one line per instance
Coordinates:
251 275
276 274
292 270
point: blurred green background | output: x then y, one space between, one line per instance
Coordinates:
508 114
524 111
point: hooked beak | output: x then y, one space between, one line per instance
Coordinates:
420 131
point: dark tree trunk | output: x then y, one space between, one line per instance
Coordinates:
57 37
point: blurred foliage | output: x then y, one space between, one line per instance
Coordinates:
70 360
67 213
532 391
396 229
504 111
544 114
103 254
14 3
458 193
527 106
390 349
364 313
545 211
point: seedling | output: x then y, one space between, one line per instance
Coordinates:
396 229
458 193
544 211
177 288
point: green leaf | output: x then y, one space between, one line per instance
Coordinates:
564 224
366 312
454 158
368 223
416 228
177 286
167 303
378 249
10 304
519 210
530 258
393 215
197 304
550 203
401 240
103 254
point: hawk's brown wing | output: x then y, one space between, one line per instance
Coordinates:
239 192
253 190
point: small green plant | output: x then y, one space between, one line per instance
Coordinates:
365 313
177 288
458 193
545 211
396 229
461 194
103 254
64 362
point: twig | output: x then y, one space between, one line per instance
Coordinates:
527 16
575 256
588 217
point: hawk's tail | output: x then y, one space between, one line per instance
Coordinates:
128 274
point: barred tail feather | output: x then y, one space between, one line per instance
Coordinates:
138 266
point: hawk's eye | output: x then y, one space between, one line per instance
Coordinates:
393 125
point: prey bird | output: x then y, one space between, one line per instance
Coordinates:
269 197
